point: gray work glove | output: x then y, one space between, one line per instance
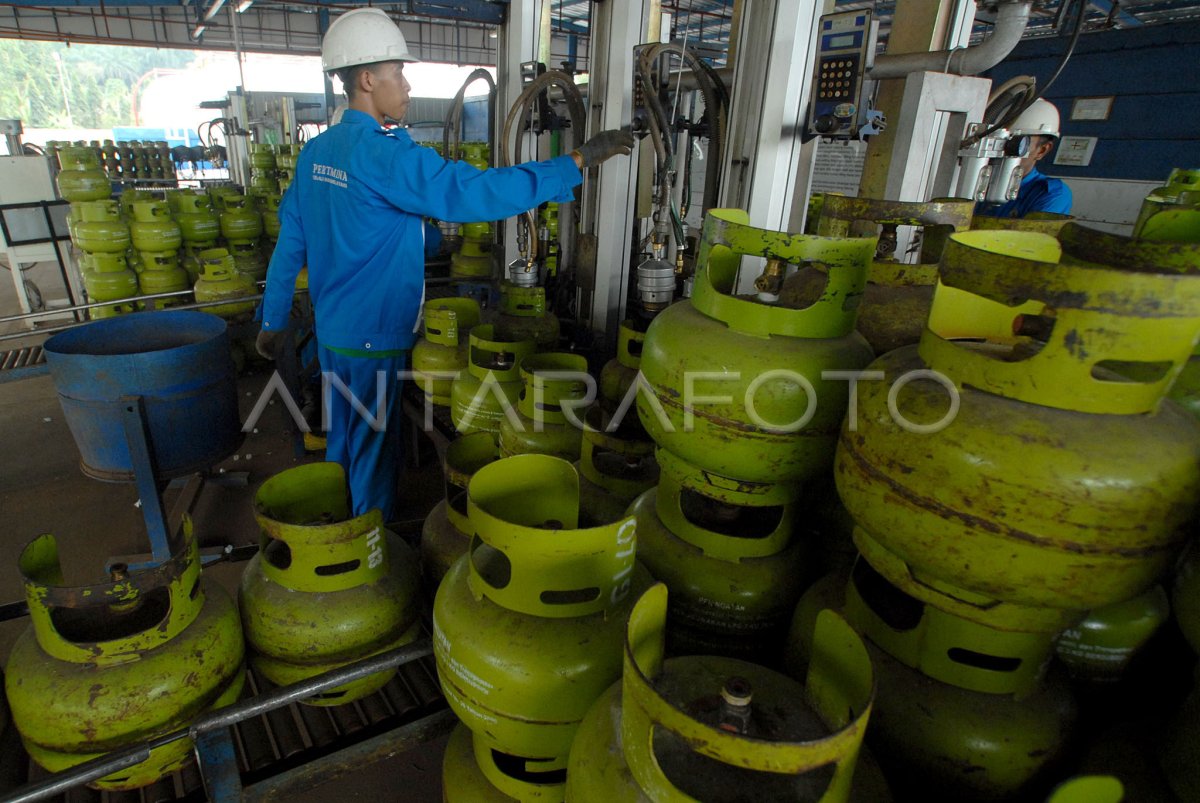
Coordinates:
604 146
264 344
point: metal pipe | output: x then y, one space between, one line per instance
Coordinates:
1011 20
56 329
24 316
222 718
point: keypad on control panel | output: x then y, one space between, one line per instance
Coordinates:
837 78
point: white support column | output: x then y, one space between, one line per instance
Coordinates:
524 37
617 26
772 80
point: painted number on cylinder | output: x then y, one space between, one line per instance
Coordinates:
375 545
626 549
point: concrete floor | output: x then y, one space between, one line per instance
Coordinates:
42 490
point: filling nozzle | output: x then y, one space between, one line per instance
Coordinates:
523 272
770 281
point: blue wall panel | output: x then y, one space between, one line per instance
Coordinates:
1154 123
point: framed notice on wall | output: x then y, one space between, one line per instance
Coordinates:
1093 108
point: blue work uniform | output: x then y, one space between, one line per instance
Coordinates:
1038 193
354 214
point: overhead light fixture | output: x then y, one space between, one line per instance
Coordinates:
245 4
198 30
492 34
216 6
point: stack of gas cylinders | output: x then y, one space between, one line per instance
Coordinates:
149 242
988 509
764 556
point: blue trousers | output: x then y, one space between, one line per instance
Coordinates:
365 434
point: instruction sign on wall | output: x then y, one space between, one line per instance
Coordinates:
838 166
1075 151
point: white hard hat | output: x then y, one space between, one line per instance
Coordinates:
362 36
1040 119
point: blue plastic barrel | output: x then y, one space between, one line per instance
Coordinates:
177 361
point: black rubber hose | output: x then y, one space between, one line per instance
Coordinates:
1016 109
454 114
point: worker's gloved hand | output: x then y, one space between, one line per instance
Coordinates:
604 146
264 344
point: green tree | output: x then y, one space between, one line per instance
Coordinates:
95 81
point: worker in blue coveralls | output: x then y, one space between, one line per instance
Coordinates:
1039 192
354 214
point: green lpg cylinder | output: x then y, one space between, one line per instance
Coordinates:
127 199
463 780
189 260
111 665
708 728
553 394
262 156
263 181
775 419
198 221
618 374
439 356
81 177
162 274
99 227
528 626
270 215
239 218
727 553
1088 789
1185 596
475 154
615 466
962 712
285 163
957 313
248 259
446 534
1099 649
107 277
220 280
1089 476
328 588
896 301
153 229
473 259
487 391
523 316
1171 212
134 258
262 167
